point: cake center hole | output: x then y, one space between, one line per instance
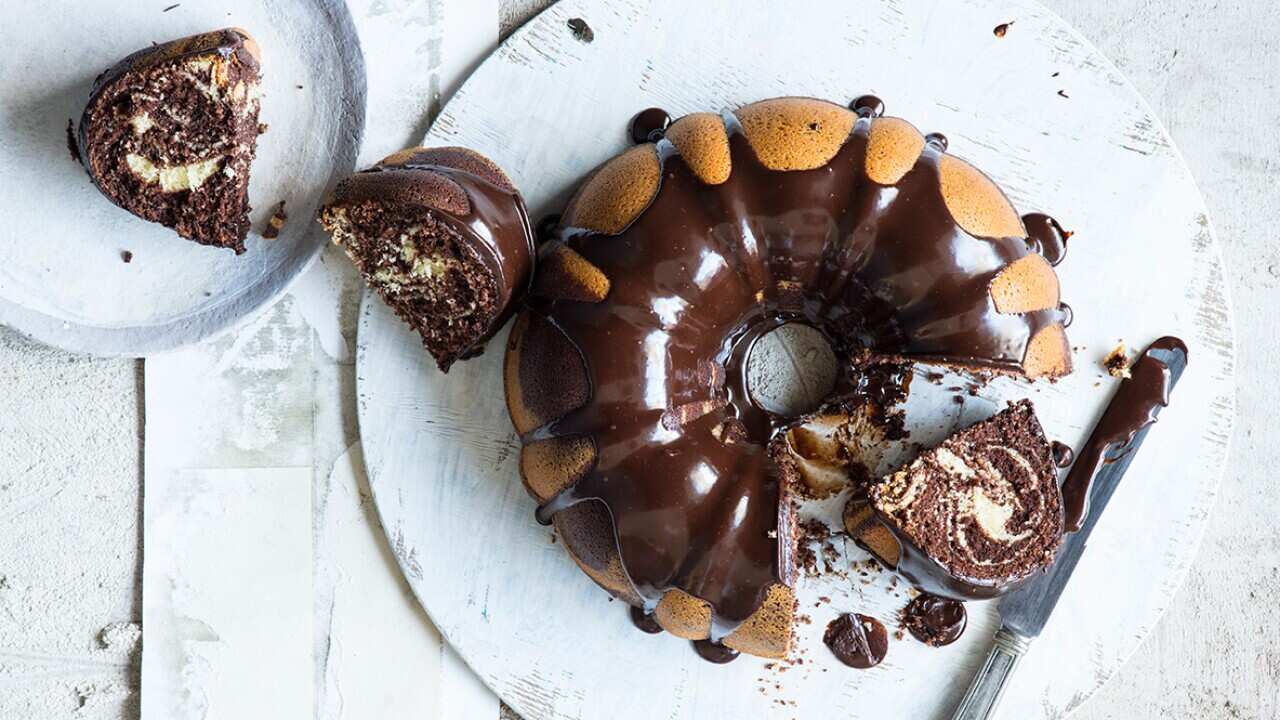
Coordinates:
791 370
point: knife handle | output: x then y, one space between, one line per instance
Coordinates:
988 685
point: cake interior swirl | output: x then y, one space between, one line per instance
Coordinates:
169 134
972 517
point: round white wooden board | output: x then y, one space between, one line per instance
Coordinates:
62 276
442 456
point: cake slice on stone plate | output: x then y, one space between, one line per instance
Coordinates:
169 134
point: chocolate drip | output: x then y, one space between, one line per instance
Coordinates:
1068 315
937 140
1046 237
934 620
857 640
867 106
1134 406
685 461
644 620
648 125
1063 455
714 652
547 228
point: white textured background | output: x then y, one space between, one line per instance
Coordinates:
71 427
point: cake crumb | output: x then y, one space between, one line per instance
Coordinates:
126 256
1002 29
1063 93
1117 363
276 223
581 30
72 146
171 7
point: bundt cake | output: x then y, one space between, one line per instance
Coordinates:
443 237
971 518
169 134
625 375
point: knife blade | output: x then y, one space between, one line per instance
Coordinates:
1027 609
1024 612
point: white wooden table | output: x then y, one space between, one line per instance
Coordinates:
72 440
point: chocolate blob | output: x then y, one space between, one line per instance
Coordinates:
648 125
934 620
857 640
644 621
714 652
867 106
1046 237
1063 455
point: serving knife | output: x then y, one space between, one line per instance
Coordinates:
1024 612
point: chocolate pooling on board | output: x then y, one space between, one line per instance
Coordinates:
935 620
858 641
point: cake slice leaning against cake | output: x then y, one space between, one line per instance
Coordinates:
169 134
972 518
443 237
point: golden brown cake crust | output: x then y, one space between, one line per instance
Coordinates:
548 378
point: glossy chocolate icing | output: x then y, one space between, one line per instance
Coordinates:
644 622
1046 237
858 641
686 462
934 620
648 125
1063 455
714 652
1133 407
497 227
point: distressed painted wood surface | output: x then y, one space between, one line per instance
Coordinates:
1042 112
70 426
61 230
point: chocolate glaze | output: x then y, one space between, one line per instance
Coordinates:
714 652
938 140
497 226
699 277
857 640
1068 315
1046 237
1134 406
1063 455
547 228
867 106
648 125
644 621
934 620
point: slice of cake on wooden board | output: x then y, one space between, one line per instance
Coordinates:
971 518
169 134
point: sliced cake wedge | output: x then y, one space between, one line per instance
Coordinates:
971 518
169 134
